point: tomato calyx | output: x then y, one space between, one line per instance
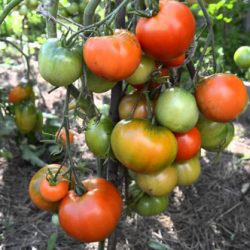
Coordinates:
151 10
53 178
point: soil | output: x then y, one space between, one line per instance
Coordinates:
211 214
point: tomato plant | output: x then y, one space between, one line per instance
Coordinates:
242 57
159 183
58 64
121 53
176 109
94 215
143 72
34 188
215 136
168 34
189 144
188 171
143 147
98 135
221 97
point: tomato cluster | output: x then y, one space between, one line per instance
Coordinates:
162 127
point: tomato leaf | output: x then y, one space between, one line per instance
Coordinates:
52 241
157 245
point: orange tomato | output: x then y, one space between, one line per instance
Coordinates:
113 57
18 94
221 97
62 136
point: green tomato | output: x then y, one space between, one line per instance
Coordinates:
58 65
150 205
32 4
215 136
72 8
83 5
177 110
143 72
25 117
64 12
23 11
98 134
188 172
97 84
242 57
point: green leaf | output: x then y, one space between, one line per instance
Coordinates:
154 244
52 241
6 154
7 125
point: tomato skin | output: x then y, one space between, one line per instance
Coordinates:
127 104
168 34
98 134
19 93
177 110
150 206
58 65
189 144
159 183
25 117
221 97
143 72
143 147
215 136
53 192
62 136
97 84
34 188
121 53
94 215
242 57
188 171
175 62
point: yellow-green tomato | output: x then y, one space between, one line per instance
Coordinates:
143 71
188 172
158 184
23 11
242 57
98 135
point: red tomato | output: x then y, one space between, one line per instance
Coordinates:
18 94
189 144
168 34
94 215
53 192
221 97
176 62
113 57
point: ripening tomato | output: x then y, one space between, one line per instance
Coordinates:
97 135
143 71
215 136
34 187
221 97
113 57
159 183
94 215
143 147
18 94
25 117
168 34
175 62
188 171
58 64
177 110
62 136
53 191
127 104
189 144
98 84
